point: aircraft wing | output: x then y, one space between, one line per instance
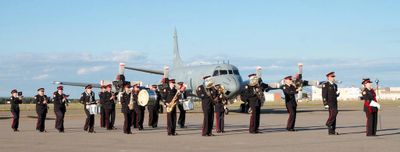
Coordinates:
145 70
77 84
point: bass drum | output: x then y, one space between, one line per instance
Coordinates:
147 97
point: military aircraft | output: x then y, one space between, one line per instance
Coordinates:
224 74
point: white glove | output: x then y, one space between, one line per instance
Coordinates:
326 107
375 104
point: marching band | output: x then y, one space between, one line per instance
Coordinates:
174 96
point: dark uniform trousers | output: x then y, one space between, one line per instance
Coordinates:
182 115
292 110
102 117
331 122
372 123
112 116
153 115
42 112
255 119
89 123
134 117
219 117
140 116
60 113
15 120
128 121
108 116
208 112
171 121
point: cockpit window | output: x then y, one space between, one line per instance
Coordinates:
230 72
236 72
223 72
216 73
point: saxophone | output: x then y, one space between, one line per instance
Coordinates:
131 106
172 104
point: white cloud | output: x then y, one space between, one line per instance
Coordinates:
40 77
86 70
126 55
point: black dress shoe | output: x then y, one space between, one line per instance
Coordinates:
16 130
258 132
334 133
210 135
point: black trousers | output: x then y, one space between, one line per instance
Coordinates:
182 115
89 123
128 121
292 110
331 122
219 120
102 117
255 119
208 113
171 122
108 114
134 118
372 123
15 120
41 119
60 113
153 115
112 116
140 117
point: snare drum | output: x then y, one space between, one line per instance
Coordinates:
188 105
147 97
94 109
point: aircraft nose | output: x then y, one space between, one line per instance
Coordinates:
233 87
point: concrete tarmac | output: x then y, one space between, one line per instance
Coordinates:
312 135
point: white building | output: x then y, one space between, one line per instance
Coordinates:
353 93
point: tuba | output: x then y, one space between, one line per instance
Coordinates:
172 104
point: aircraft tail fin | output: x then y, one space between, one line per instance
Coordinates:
177 57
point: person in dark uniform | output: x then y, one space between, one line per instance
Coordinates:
112 116
220 110
329 96
135 116
60 100
290 91
127 109
182 112
169 96
41 101
208 95
153 109
140 115
253 93
87 99
15 100
371 107
109 97
102 110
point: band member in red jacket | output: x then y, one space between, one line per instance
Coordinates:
370 107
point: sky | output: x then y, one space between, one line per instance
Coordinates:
42 41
